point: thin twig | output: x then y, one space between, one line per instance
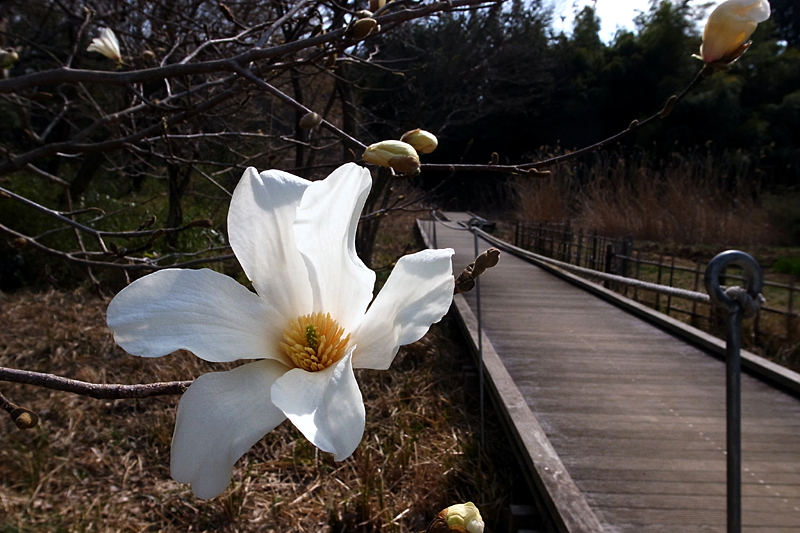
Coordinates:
100 391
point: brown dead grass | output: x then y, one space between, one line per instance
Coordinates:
94 465
689 199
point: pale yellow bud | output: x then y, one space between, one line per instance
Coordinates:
729 27
423 142
395 154
465 515
107 44
8 57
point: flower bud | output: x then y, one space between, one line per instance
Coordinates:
22 417
107 44
729 27
465 515
487 259
362 28
423 142
310 121
375 5
148 55
463 518
395 154
8 57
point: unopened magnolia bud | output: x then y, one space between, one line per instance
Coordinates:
361 28
466 516
24 418
19 243
464 283
669 106
8 57
487 259
375 5
363 14
395 154
200 223
729 27
310 121
423 142
148 55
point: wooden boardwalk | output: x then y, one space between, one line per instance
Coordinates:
621 423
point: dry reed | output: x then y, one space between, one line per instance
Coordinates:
688 199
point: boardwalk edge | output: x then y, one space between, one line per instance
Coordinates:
565 501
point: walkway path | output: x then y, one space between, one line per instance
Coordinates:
624 423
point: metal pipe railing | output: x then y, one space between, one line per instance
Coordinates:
733 371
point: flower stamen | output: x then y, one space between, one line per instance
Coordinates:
314 342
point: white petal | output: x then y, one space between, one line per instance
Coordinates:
417 294
326 230
202 311
326 406
260 218
220 417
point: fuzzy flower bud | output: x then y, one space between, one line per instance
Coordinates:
423 142
310 121
465 515
729 27
107 44
8 57
395 154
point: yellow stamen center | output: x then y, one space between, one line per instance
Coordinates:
314 342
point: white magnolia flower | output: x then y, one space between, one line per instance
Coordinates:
730 25
309 325
107 44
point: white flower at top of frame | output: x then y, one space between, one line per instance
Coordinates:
107 44
729 26
309 324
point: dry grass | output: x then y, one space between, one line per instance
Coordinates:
95 465
688 199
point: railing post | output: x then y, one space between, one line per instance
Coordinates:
754 277
472 224
789 312
435 243
609 263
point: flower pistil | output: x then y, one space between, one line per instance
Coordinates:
314 342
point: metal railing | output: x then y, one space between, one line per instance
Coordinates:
734 300
618 256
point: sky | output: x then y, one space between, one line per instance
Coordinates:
613 14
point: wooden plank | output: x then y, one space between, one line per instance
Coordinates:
566 502
624 404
